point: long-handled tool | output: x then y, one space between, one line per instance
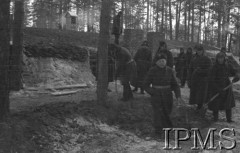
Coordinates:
217 94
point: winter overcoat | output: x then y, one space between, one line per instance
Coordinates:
198 77
218 80
143 59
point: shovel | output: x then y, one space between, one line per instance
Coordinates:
216 95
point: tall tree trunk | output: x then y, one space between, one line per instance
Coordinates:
88 18
207 25
176 26
84 16
166 21
200 23
78 15
212 27
219 25
185 21
51 16
4 58
162 26
204 20
189 19
170 19
126 14
60 14
179 17
147 15
157 16
16 53
122 9
104 37
92 16
225 21
192 33
151 16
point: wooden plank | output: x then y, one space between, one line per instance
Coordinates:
63 93
83 85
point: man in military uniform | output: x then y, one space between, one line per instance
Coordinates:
117 27
143 59
198 76
159 83
126 68
111 67
181 67
218 80
189 56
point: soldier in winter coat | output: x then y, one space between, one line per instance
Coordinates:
198 74
218 80
159 83
181 68
126 68
189 56
117 27
111 67
143 59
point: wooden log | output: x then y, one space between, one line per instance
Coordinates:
63 93
83 85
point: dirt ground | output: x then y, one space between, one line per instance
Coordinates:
42 123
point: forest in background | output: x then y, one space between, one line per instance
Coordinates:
202 21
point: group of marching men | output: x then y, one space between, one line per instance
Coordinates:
158 78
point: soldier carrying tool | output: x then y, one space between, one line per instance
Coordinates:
221 86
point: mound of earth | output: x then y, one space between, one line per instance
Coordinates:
56 58
55 72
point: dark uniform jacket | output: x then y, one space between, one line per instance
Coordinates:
126 67
181 62
188 59
161 77
143 59
198 77
163 82
111 67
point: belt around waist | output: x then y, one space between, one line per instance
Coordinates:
161 87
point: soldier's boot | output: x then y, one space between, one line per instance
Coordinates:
229 115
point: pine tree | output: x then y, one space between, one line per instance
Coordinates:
4 57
